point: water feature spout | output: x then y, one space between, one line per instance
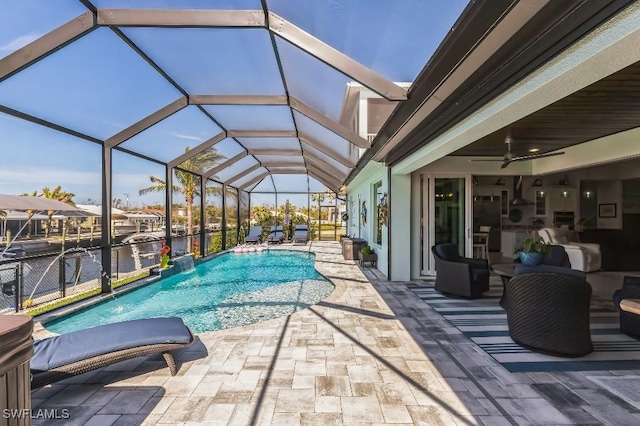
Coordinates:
183 263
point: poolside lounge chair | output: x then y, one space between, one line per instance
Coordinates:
301 234
276 236
255 235
67 355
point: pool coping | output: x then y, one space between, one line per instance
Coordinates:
41 332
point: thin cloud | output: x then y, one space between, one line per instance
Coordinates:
189 137
18 42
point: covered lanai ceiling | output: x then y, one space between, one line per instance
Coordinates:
607 107
261 82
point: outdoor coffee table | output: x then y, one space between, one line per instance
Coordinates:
506 271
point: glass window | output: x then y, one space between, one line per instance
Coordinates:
213 60
82 87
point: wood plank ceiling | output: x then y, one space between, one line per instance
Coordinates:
609 106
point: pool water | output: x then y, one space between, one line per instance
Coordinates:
227 291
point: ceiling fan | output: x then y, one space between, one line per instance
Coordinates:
510 158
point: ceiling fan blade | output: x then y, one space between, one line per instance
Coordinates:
506 164
534 156
487 159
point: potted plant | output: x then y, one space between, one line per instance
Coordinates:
367 255
533 250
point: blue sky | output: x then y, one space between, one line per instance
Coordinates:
99 86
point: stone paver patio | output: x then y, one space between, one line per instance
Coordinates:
371 353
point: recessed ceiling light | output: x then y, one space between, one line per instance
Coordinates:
534 150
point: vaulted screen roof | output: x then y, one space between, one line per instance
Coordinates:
260 82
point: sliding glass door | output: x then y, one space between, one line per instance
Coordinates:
444 217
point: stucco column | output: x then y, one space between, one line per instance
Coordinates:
400 228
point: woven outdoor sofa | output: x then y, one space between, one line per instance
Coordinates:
60 357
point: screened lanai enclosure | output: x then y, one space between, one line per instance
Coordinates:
184 123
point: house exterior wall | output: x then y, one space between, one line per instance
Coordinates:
361 190
612 47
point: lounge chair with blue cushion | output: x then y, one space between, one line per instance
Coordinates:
255 235
70 354
276 236
301 234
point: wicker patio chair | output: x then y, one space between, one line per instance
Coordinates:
457 275
60 357
549 313
629 322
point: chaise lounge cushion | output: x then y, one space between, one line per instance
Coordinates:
72 347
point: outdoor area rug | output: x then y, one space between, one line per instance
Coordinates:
485 323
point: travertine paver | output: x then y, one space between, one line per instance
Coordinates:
371 353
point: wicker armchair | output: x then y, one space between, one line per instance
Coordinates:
459 276
629 322
549 313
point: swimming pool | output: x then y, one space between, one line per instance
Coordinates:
227 291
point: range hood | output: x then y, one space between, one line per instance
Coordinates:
517 199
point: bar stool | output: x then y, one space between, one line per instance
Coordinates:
481 243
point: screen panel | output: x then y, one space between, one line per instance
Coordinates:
393 38
252 117
213 60
24 21
174 135
82 87
270 143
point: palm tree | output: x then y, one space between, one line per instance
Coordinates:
57 194
188 184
